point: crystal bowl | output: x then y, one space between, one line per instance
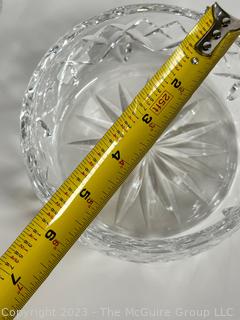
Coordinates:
183 197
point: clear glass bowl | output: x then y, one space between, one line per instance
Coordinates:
184 195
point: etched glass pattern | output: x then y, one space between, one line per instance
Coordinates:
176 201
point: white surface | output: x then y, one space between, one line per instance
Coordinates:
103 287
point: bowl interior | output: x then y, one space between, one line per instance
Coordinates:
81 87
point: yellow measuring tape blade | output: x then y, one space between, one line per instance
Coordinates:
44 242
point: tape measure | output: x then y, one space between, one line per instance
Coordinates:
48 237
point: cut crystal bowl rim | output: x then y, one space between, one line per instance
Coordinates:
98 236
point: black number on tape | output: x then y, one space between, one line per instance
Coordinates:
116 155
176 83
50 235
85 194
15 281
147 118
